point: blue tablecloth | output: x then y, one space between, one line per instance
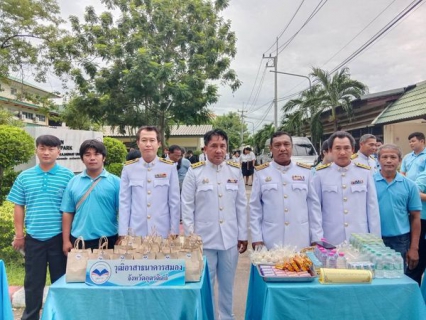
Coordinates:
80 301
384 299
6 307
423 289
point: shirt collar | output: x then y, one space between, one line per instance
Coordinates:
149 164
378 176
53 170
282 168
214 166
342 169
363 156
103 174
421 152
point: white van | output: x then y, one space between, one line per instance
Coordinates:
303 151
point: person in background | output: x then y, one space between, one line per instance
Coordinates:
367 148
326 156
413 165
236 157
399 205
191 157
166 153
90 203
149 191
347 194
247 164
182 164
214 207
282 200
202 156
37 195
133 154
379 143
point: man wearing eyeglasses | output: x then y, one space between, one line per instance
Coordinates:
37 194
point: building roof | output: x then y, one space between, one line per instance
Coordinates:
184 130
411 105
14 79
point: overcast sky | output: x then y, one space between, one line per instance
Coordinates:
396 60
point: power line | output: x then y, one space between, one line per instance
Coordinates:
251 107
255 81
382 31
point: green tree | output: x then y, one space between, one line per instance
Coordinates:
116 151
337 90
262 135
232 125
28 30
161 60
7 117
16 147
75 119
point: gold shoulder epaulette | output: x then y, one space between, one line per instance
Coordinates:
303 165
131 161
198 164
323 166
361 165
262 166
354 156
233 164
166 161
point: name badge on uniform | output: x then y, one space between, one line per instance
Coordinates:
205 180
161 175
267 179
298 178
357 182
232 181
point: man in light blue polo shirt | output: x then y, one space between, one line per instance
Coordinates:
37 194
90 202
400 206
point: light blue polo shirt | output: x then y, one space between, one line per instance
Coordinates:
41 194
414 164
396 200
97 215
421 184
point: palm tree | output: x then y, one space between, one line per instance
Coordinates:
262 135
337 90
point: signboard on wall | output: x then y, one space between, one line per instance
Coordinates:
70 145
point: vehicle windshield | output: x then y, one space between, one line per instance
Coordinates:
303 149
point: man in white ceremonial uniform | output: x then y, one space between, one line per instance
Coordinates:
282 200
347 194
149 191
214 207
367 149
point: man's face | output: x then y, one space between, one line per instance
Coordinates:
378 144
368 147
47 155
175 155
327 157
389 161
93 160
148 145
416 145
342 151
282 149
216 150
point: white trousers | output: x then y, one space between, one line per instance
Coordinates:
223 264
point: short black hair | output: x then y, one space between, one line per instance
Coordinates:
174 147
379 140
279 134
133 154
148 128
418 135
215 132
48 140
340 135
324 147
92 144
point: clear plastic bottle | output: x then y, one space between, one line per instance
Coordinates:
324 256
398 265
379 266
341 261
331 260
388 267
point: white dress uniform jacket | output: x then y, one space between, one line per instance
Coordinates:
282 205
348 202
370 161
214 204
149 198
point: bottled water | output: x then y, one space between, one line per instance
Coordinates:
341 261
398 265
331 260
324 256
388 267
379 266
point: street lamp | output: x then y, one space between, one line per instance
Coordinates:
296 75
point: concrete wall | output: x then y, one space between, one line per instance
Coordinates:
398 133
71 141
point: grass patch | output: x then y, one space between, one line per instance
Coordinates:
15 272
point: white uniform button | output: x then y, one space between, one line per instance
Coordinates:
149 169
221 208
149 191
344 186
346 224
220 221
149 180
285 210
218 182
148 205
343 174
286 223
346 211
148 217
285 196
345 199
284 184
220 195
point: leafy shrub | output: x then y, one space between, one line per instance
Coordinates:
7 231
116 151
115 168
8 179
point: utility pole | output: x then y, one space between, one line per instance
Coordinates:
242 124
274 61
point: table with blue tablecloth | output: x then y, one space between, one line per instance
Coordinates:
382 299
6 307
81 301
